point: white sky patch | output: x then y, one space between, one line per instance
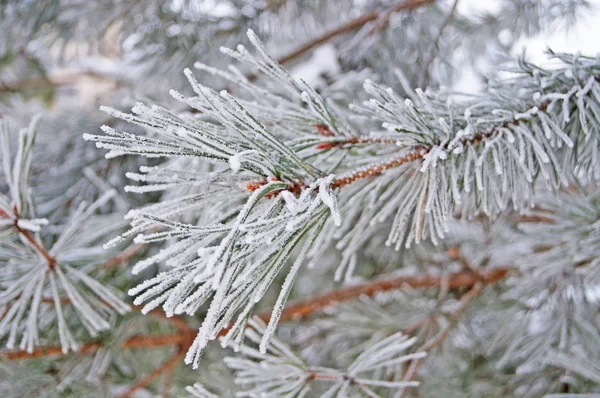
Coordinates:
323 61
583 37
466 7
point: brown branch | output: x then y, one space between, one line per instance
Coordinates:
152 341
123 256
27 235
184 336
46 352
436 45
410 154
476 280
294 311
30 238
382 18
343 142
352 25
416 153
303 309
167 382
370 171
457 280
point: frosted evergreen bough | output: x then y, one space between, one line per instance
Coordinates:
354 198
479 156
32 274
278 371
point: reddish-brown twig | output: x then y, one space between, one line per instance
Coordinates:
412 154
382 16
38 246
297 310
152 341
458 280
355 141
474 280
30 238
123 256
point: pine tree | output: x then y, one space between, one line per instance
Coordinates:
368 230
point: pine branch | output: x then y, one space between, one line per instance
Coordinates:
419 152
492 154
382 18
183 338
263 376
411 154
288 174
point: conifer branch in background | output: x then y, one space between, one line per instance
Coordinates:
297 311
465 300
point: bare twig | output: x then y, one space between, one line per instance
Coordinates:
458 280
378 168
123 256
436 45
31 239
382 16
153 341
38 246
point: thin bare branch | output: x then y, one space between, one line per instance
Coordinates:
123 257
458 280
31 239
382 16
435 47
